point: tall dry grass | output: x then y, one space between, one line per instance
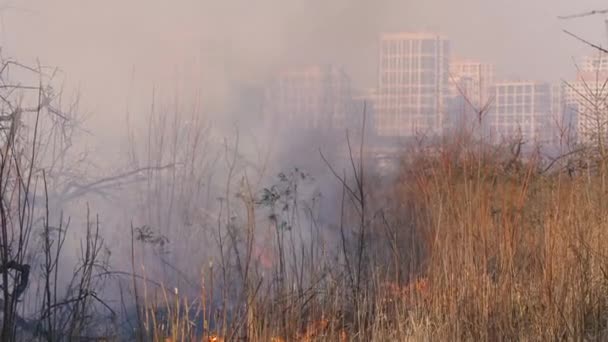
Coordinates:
513 253
470 243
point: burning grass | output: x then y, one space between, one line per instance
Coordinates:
476 243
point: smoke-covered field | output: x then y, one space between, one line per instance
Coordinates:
159 180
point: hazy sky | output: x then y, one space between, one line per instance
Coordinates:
117 50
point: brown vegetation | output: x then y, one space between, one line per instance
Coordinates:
470 242
506 250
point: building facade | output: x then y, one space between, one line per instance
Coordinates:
521 110
586 96
472 79
596 63
364 101
564 118
412 84
469 93
317 98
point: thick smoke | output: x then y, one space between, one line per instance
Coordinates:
176 91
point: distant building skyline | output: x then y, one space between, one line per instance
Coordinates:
521 109
564 121
586 98
471 78
422 90
365 100
595 63
313 97
412 83
469 93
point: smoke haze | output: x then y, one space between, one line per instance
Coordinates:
116 52
180 74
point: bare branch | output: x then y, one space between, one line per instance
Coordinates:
586 42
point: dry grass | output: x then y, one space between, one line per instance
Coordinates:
513 253
503 251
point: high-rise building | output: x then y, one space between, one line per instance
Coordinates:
469 87
314 98
521 109
365 101
564 119
586 96
597 63
412 85
472 79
